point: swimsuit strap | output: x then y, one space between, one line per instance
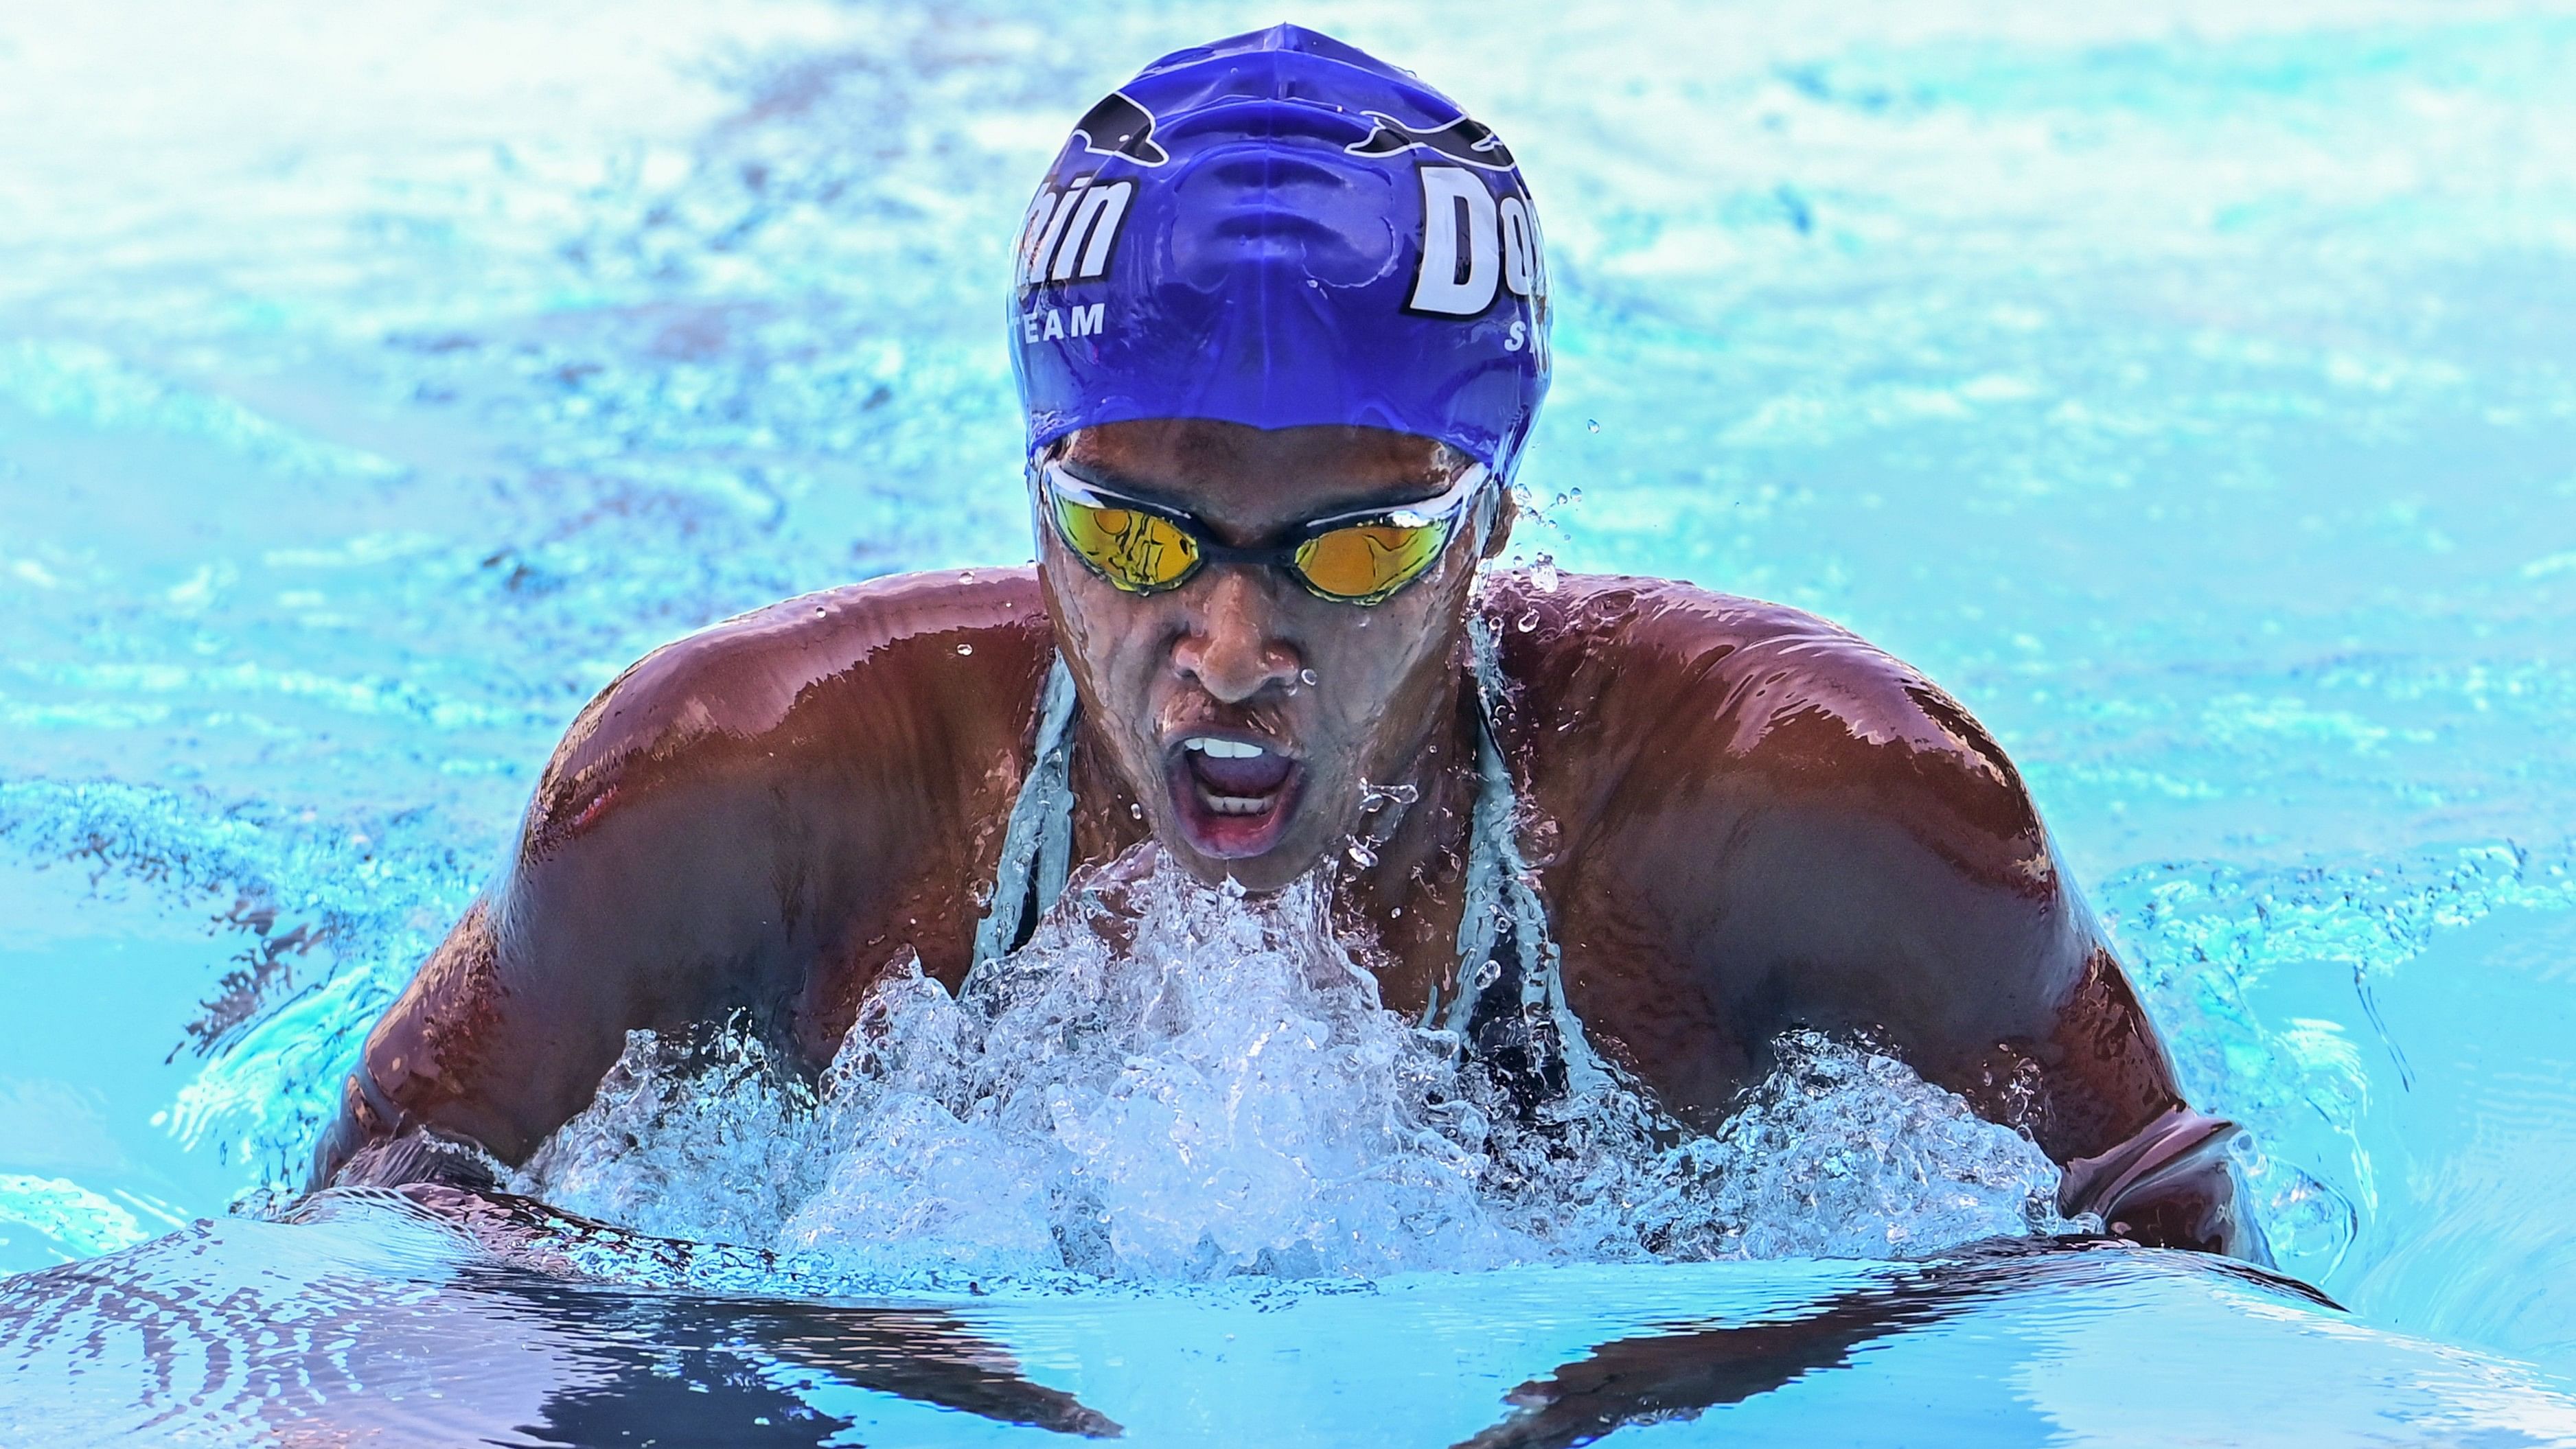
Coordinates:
1037 845
1504 921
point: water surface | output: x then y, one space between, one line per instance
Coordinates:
2188 391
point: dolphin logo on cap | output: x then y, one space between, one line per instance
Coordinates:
1463 140
1120 127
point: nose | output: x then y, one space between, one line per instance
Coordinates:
1229 645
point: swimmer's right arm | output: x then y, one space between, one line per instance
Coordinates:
738 815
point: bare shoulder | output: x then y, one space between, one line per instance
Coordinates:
1678 694
880 667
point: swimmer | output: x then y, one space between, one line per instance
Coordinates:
1280 322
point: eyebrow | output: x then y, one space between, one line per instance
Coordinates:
1111 480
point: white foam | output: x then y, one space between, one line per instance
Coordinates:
1176 1082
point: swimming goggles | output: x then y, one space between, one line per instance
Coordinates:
1351 558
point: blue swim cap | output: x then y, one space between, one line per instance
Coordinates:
1278 230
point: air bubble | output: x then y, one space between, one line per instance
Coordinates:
1592 425
1362 856
1527 621
1135 811
966 576
965 648
1306 677
1374 798
1544 578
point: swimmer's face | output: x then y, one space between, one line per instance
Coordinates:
1244 712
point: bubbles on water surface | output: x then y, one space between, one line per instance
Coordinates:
1172 1081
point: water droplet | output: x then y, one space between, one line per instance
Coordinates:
1488 974
1544 578
1306 677
1592 425
820 611
1374 798
1576 495
1527 622
1362 856
966 576
965 648
1135 811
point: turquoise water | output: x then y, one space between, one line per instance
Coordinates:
2189 392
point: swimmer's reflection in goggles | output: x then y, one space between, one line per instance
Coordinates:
1361 558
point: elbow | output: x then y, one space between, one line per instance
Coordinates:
2169 1186
372 1143
359 1124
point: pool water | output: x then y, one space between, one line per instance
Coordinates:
2189 391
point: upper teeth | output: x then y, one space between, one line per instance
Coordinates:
1222 749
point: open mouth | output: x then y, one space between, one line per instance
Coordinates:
1233 793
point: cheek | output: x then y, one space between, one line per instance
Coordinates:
1369 676
1409 636
1111 639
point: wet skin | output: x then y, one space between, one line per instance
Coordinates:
1226 656
1744 819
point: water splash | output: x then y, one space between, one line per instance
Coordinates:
1171 1081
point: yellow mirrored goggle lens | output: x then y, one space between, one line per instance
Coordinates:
1134 550
1367 562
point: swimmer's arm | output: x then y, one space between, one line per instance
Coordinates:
1966 948
658 917
723 829
1843 919
1850 919
1820 838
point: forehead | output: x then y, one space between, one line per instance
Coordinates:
1254 478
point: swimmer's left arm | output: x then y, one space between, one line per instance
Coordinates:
1816 836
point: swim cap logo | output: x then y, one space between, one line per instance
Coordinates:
1461 140
1120 127
1473 247
1068 234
